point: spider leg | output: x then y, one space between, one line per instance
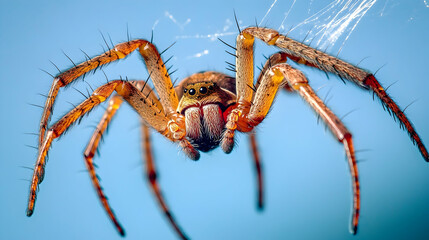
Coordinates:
245 91
89 153
304 54
243 107
156 69
283 73
152 177
99 95
298 82
175 126
66 77
274 59
258 168
94 142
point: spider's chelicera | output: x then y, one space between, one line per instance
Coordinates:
207 108
203 101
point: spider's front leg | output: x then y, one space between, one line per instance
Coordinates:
99 95
148 108
238 118
237 114
162 117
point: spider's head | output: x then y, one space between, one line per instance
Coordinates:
206 88
204 97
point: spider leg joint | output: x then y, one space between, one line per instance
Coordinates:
269 36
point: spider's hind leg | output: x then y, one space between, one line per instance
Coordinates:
91 149
153 180
276 77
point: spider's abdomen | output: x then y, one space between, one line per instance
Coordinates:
204 126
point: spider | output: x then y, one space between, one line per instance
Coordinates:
206 109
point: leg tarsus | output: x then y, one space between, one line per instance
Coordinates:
375 86
96 183
351 159
189 150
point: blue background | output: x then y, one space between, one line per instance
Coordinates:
308 194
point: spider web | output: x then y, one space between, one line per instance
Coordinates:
333 22
324 28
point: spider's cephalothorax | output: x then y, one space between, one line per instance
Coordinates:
206 109
204 97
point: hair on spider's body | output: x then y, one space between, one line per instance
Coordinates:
204 98
206 109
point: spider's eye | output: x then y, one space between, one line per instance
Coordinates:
185 90
211 87
192 91
203 90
